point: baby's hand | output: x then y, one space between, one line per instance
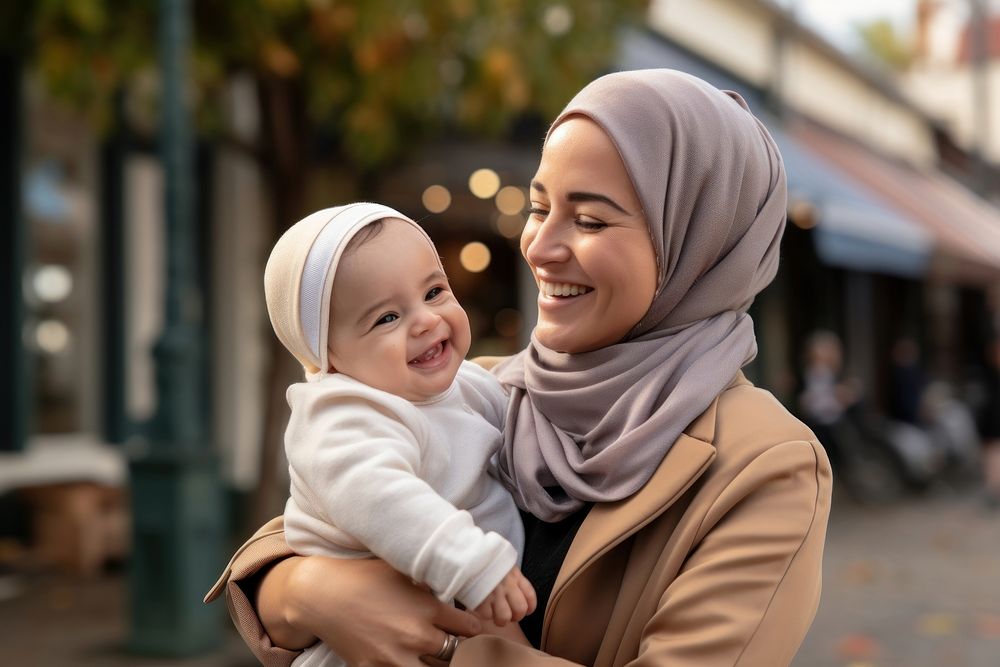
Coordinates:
511 600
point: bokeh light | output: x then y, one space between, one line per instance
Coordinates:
436 199
51 336
484 183
510 226
52 283
475 257
802 213
510 200
558 19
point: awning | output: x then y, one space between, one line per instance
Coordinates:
855 230
965 228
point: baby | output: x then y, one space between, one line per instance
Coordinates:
391 436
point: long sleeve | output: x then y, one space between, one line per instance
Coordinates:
356 467
265 548
747 593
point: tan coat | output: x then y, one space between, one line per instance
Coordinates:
716 561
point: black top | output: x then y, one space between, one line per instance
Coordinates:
545 549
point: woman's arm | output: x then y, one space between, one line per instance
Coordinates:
747 593
363 609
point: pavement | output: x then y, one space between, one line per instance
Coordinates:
914 584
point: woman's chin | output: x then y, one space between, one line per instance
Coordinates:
559 339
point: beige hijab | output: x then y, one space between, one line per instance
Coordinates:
298 278
593 427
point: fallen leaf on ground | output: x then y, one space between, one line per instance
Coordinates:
937 625
860 572
988 626
858 646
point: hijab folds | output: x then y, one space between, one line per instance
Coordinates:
594 426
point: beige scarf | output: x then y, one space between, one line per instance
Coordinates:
593 427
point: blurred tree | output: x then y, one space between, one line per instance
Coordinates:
353 84
882 42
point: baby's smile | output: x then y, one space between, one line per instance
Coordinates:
433 356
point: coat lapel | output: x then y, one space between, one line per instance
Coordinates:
608 524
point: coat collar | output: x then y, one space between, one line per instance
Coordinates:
608 524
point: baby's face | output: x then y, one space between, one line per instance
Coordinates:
395 324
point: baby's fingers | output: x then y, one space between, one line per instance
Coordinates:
529 594
501 610
485 610
518 604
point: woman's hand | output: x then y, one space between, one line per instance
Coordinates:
510 631
365 611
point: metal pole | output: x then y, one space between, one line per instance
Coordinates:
176 492
115 423
17 388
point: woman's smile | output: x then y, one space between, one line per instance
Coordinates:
554 289
590 250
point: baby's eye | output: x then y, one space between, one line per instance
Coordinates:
433 293
386 319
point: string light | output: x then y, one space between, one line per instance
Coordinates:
510 200
484 183
510 226
475 257
436 199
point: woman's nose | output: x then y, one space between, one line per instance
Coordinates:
544 242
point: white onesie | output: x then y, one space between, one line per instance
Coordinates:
374 474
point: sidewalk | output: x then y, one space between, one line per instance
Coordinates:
68 622
913 585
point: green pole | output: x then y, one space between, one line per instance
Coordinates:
17 388
176 492
116 426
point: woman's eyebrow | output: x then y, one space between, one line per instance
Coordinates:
585 196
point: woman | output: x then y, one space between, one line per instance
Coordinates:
677 513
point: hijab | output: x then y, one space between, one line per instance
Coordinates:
594 426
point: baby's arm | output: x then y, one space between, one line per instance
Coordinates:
512 599
355 472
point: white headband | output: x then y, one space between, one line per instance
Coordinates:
320 265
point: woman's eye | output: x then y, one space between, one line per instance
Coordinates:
589 225
537 212
386 319
433 293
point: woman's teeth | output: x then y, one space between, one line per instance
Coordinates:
430 354
561 289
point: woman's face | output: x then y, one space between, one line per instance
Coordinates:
586 242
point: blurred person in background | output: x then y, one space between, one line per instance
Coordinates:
826 394
907 381
674 513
